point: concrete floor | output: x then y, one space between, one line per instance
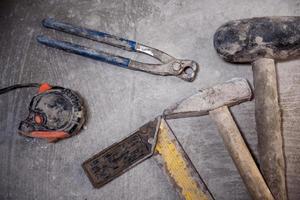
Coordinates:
121 100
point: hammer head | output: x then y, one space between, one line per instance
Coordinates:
247 40
230 93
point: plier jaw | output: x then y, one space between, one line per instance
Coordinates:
186 69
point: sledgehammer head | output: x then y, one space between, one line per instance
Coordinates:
247 40
230 93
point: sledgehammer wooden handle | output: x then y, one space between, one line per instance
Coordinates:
240 154
268 123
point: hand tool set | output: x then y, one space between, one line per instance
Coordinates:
156 139
56 112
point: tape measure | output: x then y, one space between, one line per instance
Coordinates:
54 113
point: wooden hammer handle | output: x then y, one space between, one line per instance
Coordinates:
268 125
240 154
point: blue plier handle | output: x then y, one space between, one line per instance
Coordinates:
184 69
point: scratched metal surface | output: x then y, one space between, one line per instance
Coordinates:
121 100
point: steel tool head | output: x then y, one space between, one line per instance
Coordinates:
247 40
230 93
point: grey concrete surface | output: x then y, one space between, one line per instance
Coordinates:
121 100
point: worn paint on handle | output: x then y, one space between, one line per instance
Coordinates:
129 45
178 166
85 51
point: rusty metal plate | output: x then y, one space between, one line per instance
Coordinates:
120 157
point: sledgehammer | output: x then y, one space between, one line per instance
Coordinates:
260 41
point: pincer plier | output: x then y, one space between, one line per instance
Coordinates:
170 66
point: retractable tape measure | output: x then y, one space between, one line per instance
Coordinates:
54 113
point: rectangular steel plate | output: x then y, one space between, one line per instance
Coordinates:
120 157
